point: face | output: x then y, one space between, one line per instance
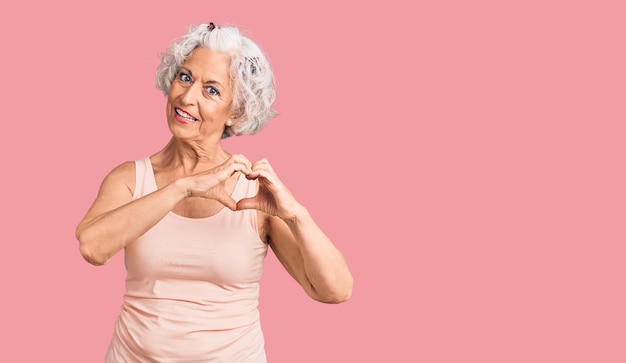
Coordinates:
200 97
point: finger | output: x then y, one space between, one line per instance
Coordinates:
248 203
241 167
227 201
267 174
239 158
262 163
246 169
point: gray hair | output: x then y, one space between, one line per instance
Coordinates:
253 84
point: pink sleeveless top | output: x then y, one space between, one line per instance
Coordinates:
192 286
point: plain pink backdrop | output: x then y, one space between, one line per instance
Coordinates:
466 156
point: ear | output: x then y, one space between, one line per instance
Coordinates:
232 118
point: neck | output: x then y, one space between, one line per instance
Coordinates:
192 156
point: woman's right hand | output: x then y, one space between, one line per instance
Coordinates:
211 184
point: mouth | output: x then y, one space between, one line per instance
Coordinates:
183 117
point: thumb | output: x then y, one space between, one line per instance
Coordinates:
248 203
228 202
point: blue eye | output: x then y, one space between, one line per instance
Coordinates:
184 77
213 91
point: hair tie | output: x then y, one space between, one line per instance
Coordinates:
211 26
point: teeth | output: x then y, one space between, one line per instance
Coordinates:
184 114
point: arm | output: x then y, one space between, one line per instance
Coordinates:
310 257
299 244
115 220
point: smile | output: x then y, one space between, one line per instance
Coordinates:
183 116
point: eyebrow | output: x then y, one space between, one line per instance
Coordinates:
207 82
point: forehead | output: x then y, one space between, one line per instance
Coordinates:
209 65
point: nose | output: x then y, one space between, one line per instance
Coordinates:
191 94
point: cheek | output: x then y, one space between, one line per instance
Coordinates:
172 96
169 103
214 111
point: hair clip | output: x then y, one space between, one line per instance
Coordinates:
211 26
254 63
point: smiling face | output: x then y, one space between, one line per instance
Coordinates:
200 97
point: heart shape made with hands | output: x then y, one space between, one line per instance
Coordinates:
272 197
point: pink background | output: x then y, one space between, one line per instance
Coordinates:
467 157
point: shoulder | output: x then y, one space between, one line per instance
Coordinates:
123 175
123 170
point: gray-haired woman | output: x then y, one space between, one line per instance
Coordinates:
195 221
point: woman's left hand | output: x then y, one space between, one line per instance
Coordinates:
273 196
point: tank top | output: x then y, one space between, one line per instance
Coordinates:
192 286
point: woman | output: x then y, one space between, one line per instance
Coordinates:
195 221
